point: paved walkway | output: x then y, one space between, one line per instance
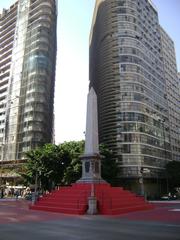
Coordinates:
163 222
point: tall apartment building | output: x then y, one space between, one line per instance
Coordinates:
135 85
179 94
172 91
27 76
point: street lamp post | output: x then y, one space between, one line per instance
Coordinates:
34 194
2 158
1 176
141 180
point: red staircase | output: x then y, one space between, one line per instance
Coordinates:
74 200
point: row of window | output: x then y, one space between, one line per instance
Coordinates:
141 107
143 149
138 69
138 52
160 132
138 60
141 138
131 4
129 41
143 160
137 78
133 116
133 96
125 11
134 171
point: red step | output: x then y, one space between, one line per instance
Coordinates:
116 211
74 200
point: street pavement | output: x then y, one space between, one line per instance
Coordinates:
18 222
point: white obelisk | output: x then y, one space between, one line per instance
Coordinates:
91 163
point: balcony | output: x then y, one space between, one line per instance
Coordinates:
7 35
4 75
7 41
9 19
4 81
10 28
5 63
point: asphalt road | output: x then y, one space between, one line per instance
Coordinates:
17 222
90 228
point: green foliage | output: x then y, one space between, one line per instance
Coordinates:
51 162
48 163
61 164
109 166
173 172
74 170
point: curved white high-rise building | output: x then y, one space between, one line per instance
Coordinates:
128 71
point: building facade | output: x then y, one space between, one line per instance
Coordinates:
172 92
27 76
128 72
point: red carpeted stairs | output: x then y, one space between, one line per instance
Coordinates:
74 200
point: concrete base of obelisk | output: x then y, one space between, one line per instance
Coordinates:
91 169
91 174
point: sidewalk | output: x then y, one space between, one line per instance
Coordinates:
13 210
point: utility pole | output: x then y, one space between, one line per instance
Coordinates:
141 181
2 158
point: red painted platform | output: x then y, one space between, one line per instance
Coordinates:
74 200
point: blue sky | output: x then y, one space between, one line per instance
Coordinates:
169 18
73 28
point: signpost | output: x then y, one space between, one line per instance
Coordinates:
141 180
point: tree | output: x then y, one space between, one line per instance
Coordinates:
173 174
52 164
109 166
74 170
47 164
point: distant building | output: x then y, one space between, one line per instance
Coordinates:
133 71
27 76
172 91
179 94
179 75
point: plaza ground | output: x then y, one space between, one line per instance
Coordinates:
18 222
